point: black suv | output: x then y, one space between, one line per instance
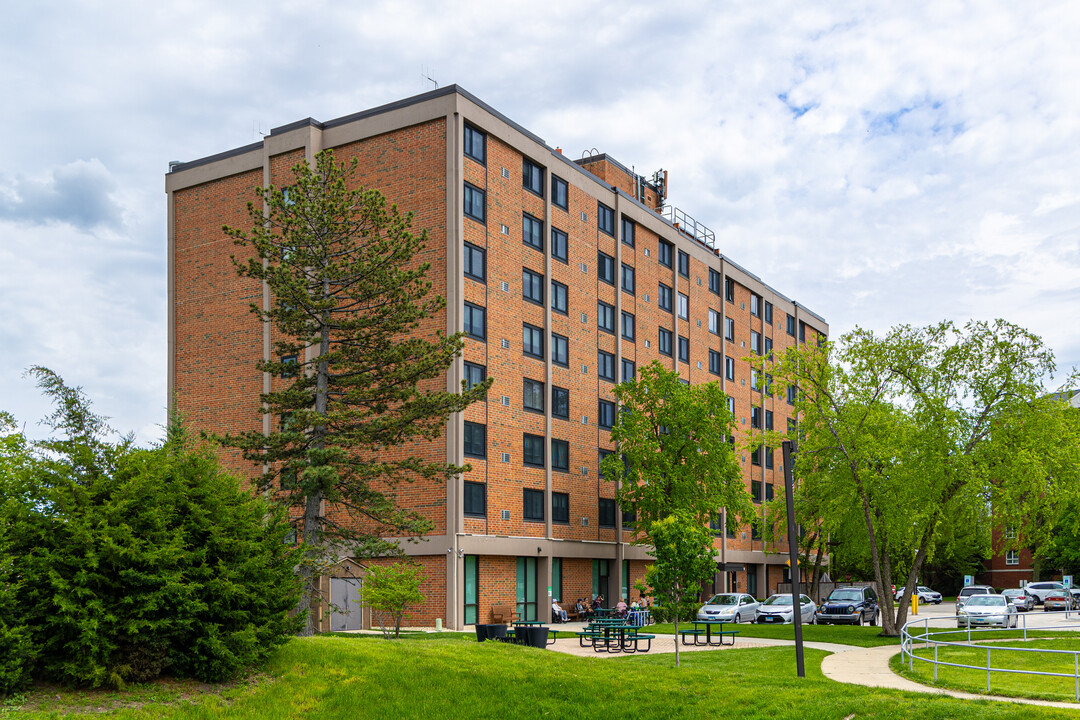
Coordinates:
849 606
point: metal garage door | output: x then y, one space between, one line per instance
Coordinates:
345 596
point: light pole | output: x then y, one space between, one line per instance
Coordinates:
793 552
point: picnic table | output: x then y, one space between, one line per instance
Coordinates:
705 627
614 635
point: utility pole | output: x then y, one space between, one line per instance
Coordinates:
793 553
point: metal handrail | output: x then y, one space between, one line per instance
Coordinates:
908 638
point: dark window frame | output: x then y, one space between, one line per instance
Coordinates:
605 414
605 219
532 505
605 511
605 317
532 228
714 282
627 224
467 374
560 447
532 284
529 456
558 290
664 298
605 365
530 391
560 187
468 315
560 509
628 278
665 253
560 398
560 350
532 177
633 370
471 252
534 332
684 349
470 500
664 344
716 363
470 441
605 267
469 147
684 264
729 290
633 326
469 207
558 237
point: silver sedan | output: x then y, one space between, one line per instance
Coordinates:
985 610
729 607
1020 598
777 609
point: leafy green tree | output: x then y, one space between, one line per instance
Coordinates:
683 559
912 427
350 304
390 590
134 561
674 450
17 651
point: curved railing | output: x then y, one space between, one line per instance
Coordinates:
920 632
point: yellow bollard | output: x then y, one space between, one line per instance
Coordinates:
915 604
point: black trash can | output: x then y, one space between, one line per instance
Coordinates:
497 632
535 636
483 632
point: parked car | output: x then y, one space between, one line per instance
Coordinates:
1021 599
970 590
1041 589
1075 592
777 609
987 610
926 595
729 607
1058 600
850 606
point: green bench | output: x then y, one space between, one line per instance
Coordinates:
696 633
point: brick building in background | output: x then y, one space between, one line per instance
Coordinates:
566 275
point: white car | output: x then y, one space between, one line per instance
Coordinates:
777 609
729 607
1041 589
926 595
987 610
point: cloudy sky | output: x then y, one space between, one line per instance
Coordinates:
881 163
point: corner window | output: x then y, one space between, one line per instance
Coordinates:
559 242
560 350
533 454
791 325
559 297
755 305
684 349
560 402
534 505
475 321
663 298
768 312
475 439
684 264
532 286
560 455
474 375
474 203
729 368
532 341
474 263
606 414
714 322
605 268
729 329
560 195
475 499
532 177
755 342
560 508
605 365
729 290
627 231
714 281
605 219
791 390
684 307
532 232
605 316
628 370
606 513
475 144
715 361
755 417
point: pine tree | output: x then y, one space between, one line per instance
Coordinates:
350 301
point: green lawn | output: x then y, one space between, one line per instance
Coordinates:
1031 686
863 636
455 677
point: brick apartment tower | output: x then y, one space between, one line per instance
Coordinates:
566 276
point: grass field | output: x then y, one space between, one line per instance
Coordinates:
452 676
864 636
969 680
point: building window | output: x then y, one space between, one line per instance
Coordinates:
1010 532
534 451
729 368
791 394
605 365
560 195
560 350
768 419
605 317
475 439
628 279
474 202
534 505
665 342
755 458
472 589
601 454
791 325
714 322
628 231
802 331
560 455
474 262
665 250
729 329
755 417
755 342
684 264
1012 557
755 491
768 453
475 499
684 349
605 219
474 375
629 517
684 307
560 510
731 406
532 177
606 414
606 512
768 312
715 362
627 326
664 298
532 232
755 305
475 321
532 395
628 370
605 268
558 297
289 366
474 144
559 245
714 281
755 381
560 402
532 286
729 290
532 341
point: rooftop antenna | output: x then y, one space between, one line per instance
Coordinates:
426 77
257 132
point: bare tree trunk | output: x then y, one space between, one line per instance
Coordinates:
308 578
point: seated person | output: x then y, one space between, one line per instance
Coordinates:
621 608
598 602
579 608
557 613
